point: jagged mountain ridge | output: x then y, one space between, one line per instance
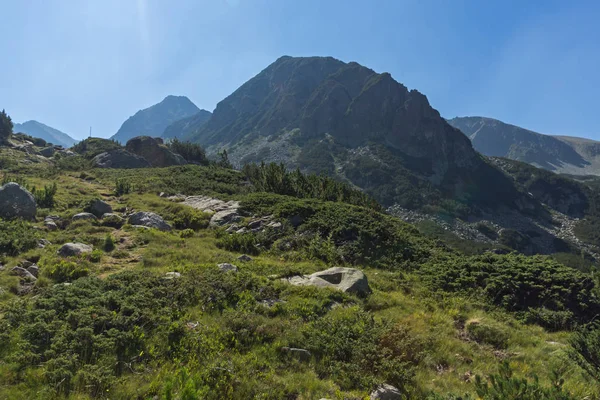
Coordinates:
42 131
561 154
153 120
324 115
183 127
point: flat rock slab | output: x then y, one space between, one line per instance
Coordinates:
208 204
350 280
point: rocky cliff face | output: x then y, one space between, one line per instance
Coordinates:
323 115
183 127
152 121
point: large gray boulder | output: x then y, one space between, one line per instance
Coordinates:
99 208
74 249
153 150
150 220
16 202
350 280
386 392
119 158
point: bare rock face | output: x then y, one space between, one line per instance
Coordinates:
119 158
350 280
16 202
153 150
74 249
149 220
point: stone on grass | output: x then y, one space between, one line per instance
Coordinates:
84 216
244 258
225 267
172 275
99 207
224 217
350 280
112 220
33 270
74 249
23 273
150 220
16 202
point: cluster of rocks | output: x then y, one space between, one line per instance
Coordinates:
139 152
28 273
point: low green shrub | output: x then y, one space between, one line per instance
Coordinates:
186 233
66 271
487 333
17 236
122 187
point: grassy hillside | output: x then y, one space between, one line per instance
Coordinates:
438 324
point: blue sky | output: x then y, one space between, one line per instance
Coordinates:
75 63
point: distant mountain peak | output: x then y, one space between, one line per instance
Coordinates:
323 115
562 154
37 129
153 120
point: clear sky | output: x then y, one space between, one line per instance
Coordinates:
75 63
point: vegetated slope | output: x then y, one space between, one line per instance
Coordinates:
562 154
153 120
323 115
113 323
39 130
183 127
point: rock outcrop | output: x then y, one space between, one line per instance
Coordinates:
153 150
119 158
348 280
16 202
149 220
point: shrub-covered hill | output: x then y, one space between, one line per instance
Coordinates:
149 314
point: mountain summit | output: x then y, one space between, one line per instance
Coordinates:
324 115
153 120
49 134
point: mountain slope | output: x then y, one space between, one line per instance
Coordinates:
323 115
556 153
49 134
184 126
153 120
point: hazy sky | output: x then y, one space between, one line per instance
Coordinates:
75 63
